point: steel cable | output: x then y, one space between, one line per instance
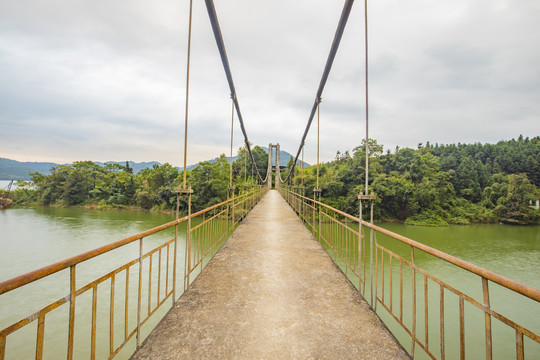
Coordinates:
187 91
223 53
331 56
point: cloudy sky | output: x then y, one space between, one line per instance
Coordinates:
105 80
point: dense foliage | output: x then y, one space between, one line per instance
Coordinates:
437 184
430 185
117 186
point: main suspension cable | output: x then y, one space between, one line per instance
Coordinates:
223 53
333 50
232 137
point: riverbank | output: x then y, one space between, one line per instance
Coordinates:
100 206
115 207
5 203
466 216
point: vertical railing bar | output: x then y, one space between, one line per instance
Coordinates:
391 290
126 317
203 240
461 328
364 260
111 317
186 270
159 278
426 312
40 336
487 318
346 248
520 354
232 214
71 331
373 247
2 347
341 236
382 277
167 270
150 285
94 323
360 250
188 236
376 250
413 302
319 215
400 290
441 302
313 216
139 296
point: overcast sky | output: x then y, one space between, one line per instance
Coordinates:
105 80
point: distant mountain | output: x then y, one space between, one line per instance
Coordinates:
17 170
284 158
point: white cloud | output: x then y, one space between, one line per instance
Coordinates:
106 80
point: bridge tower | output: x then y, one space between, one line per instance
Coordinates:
277 166
269 171
277 171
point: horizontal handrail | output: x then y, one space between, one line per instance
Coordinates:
35 275
339 239
201 240
518 287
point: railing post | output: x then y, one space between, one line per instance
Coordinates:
302 203
413 303
188 234
485 289
175 251
231 192
187 257
370 198
71 331
317 191
139 293
360 242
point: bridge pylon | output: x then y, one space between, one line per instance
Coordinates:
270 167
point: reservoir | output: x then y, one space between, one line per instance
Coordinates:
33 237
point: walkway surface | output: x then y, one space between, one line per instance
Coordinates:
271 292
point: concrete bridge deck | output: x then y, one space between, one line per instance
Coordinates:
271 292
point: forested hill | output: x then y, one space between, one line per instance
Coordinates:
429 185
87 183
17 170
439 184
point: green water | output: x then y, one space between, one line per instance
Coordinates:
34 237
31 238
512 251
506 250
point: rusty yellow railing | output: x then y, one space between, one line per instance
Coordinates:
400 291
152 272
214 226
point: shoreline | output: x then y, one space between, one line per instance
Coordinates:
96 206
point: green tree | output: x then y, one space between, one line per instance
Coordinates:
75 188
513 206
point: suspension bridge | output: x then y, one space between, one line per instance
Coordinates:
285 276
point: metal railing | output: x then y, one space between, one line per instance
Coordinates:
400 285
152 272
214 227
